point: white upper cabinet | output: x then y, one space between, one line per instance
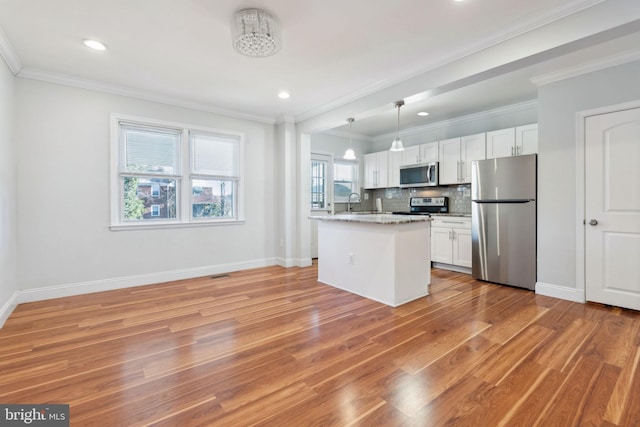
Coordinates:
527 139
472 148
411 155
423 153
456 155
429 152
395 159
449 157
375 170
512 141
501 143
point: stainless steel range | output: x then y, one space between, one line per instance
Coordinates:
426 206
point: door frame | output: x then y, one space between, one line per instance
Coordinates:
581 141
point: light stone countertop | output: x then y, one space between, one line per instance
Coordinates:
373 218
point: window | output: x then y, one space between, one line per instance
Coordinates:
345 179
332 179
214 175
320 181
170 174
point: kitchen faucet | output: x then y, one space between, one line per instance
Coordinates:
349 201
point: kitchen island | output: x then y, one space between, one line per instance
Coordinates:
382 257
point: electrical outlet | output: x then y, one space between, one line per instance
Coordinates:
350 259
366 196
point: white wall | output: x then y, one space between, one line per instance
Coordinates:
8 195
63 142
558 104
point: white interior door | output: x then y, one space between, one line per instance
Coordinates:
612 208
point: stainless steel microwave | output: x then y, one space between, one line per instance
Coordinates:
423 175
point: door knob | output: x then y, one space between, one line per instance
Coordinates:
593 222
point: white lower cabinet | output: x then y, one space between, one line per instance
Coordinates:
451 241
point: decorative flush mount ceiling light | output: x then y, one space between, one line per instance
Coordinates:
350 154
256 33
396 145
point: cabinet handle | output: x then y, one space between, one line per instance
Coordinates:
462 171
450 238
453 234
518 150
512 151
453 222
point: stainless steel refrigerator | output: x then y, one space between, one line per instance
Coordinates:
503 220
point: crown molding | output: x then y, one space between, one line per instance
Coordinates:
513 108
45 76
9 54
477 47
587 67
285 119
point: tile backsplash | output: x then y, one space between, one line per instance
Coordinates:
397 199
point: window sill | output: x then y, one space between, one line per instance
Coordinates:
163 226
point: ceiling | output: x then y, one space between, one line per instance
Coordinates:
334 52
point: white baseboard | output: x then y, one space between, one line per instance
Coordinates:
451 267
8 307
561 292
293 262
71 289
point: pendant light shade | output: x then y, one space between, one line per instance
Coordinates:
397 145
350 154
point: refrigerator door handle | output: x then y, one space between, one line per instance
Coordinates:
504 201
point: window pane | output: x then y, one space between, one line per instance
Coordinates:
342 189
141 204
212 198
318 184
214 154
345 181
151 150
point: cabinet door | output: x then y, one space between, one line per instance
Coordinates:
429 152
370 170
449 156
527 139
383 170
411 155
461 247
472 148
501 143
393 171
441 245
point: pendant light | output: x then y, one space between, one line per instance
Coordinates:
396 145
350 154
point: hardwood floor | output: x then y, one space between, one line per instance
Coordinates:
272 346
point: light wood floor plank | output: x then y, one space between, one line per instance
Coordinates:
272 346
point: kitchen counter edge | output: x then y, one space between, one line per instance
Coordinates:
372 218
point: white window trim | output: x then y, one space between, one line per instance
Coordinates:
183 217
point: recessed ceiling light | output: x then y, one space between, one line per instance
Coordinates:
95 44
424 113
284 95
